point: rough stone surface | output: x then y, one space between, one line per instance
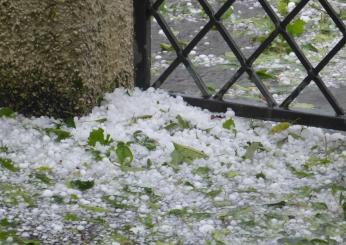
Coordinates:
59 57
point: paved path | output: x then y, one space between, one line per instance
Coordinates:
180 81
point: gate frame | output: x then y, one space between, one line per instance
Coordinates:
144 10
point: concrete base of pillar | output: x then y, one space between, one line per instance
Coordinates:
59 57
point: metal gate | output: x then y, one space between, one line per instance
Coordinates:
144 10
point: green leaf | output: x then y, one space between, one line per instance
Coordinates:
93 209
121 239
166 47
186 154
71 217
164 243
342 14
278 204
183 43
200 215
101 120
211 88
6 234
149 163
59 133
124 154
316 161
296 28
302 241
305 191
27 242
98 156
218 236
264 74
8 164
259 39
143 117
304 106
69 122
147 221
7 112
82 185
322 37
227 14
6 223
180 123
252 148
14 194
43 169
231 174
319 205
335 188
294 241
317 241
283 7
4 149
144 140
57 199
151 194
214 193
169 48
248 223
97 135
163 8
188 183
249 190
261 176
74 197
178 212
299 173
99 221
295 136
170 126
183 123
43 177
278 128
229 124
310 47
231 59
116 203
201 171
125 168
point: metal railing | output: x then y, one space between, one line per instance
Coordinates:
146 9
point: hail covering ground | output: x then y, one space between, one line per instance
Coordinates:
145 168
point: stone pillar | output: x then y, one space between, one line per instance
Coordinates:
59 57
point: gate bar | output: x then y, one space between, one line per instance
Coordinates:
276 114
142 43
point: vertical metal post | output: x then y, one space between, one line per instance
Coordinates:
142 43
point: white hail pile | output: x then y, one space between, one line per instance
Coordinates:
247 184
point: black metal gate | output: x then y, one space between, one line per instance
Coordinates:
146 9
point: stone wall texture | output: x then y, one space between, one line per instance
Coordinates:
59 57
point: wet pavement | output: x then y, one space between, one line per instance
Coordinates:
215 75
